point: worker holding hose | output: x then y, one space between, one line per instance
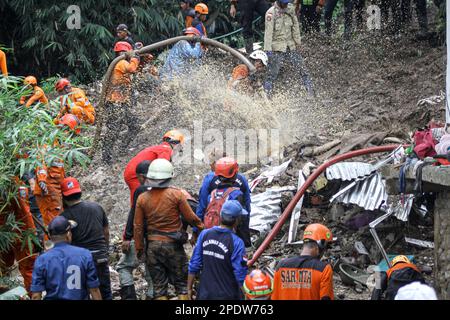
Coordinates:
119 104
305 277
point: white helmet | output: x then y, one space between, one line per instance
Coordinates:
260 55
160 169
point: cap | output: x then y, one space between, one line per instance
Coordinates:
233 209
122 27
70 186
60 225
416 291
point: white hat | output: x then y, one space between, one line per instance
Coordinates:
416 291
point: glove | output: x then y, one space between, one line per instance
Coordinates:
269 54
43 187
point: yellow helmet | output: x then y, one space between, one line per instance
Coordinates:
30 80
400 258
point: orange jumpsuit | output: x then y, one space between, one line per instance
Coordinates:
22 212
49 204
3 66
120 89
77 104
37 96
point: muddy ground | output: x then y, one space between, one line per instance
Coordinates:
370 84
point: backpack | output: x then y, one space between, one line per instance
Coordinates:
218 198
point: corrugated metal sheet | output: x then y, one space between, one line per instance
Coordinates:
348 171
368 193
402 211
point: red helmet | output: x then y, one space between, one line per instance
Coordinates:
257 285
71 121
122 46
192 30
226 167
318 233
61 84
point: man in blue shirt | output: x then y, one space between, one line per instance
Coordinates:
220 257
216 180
65 272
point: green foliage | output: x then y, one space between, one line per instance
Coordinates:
44 46
25 131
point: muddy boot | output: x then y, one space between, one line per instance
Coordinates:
248 45
128 293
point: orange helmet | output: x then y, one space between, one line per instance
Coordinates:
122 46
192 30
30 80
71 121
173 136
226 167
257 285
318 233
61 84
400 258
201 8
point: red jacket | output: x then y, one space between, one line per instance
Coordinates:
162 151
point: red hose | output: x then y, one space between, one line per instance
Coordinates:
287 212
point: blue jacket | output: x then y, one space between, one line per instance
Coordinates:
220 257
209 184
65 272
181 59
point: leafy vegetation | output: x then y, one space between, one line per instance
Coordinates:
23 134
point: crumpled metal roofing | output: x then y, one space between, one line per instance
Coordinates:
348 171
368 193
402 211
266 208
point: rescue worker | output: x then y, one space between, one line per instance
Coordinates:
124 35
183 57
161 208
240 77
282 45
309 12
401 273
201 11
349 6
258 285
3 65
248 8
220 258
128 261
73 100
188 12
225 183
119 102
92 232
18 251
305 277
65 272
37 96
72 122
172 142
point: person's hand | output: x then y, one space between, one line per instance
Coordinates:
43 187
193 239
297 10
319 9
233 11
269 54
126 246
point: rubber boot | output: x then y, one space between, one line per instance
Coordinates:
183 297
248 45
128 293
162 298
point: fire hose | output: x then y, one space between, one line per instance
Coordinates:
107 78
288 211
